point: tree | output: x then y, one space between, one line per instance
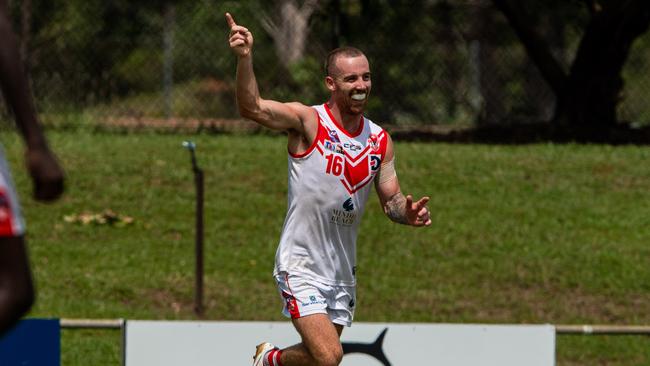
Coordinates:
289 29
491 79
588 93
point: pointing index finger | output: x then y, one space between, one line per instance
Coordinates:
230 20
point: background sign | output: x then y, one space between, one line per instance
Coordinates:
160 343
33 342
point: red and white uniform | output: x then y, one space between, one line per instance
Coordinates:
328 189
11 221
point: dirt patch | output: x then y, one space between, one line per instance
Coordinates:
534 305
221 299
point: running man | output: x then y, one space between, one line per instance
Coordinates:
16 287
334 155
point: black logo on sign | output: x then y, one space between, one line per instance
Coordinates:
371 349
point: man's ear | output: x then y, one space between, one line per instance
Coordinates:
329 83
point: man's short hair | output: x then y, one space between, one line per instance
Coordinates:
345 51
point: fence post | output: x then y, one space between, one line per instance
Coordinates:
198 235
168 57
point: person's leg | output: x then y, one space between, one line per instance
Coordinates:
320 327
16 287
321 345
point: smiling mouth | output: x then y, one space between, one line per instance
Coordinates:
359 97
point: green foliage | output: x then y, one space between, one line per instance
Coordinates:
522 234
633 105
142 67
84 53
307 77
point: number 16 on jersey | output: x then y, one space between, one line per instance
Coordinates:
335 164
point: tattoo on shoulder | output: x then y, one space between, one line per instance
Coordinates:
395 208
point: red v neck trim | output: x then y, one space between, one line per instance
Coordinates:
340 126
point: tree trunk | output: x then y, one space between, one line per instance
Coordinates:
540 99
490 80
587 97
448 41
335 9
169 23
290 28
595 82
25 31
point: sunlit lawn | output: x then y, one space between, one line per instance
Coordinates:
522 234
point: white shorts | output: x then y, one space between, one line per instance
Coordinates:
11 221
304 297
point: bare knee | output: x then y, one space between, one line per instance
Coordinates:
331 357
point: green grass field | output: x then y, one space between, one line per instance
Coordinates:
522 234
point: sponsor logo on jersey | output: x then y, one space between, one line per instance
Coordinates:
334 137
344 218
348 205
336 148
373 141
352 147
313 300
375 162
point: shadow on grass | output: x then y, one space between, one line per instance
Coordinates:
504 133
526 134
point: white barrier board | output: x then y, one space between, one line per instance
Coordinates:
194 343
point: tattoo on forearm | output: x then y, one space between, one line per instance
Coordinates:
395 208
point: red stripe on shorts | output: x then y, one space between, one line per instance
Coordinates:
292 305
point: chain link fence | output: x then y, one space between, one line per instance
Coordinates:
156 63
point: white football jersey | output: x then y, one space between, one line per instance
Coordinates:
328 189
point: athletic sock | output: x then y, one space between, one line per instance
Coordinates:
272 358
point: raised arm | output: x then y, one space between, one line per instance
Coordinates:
398 208
43 166
269 113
